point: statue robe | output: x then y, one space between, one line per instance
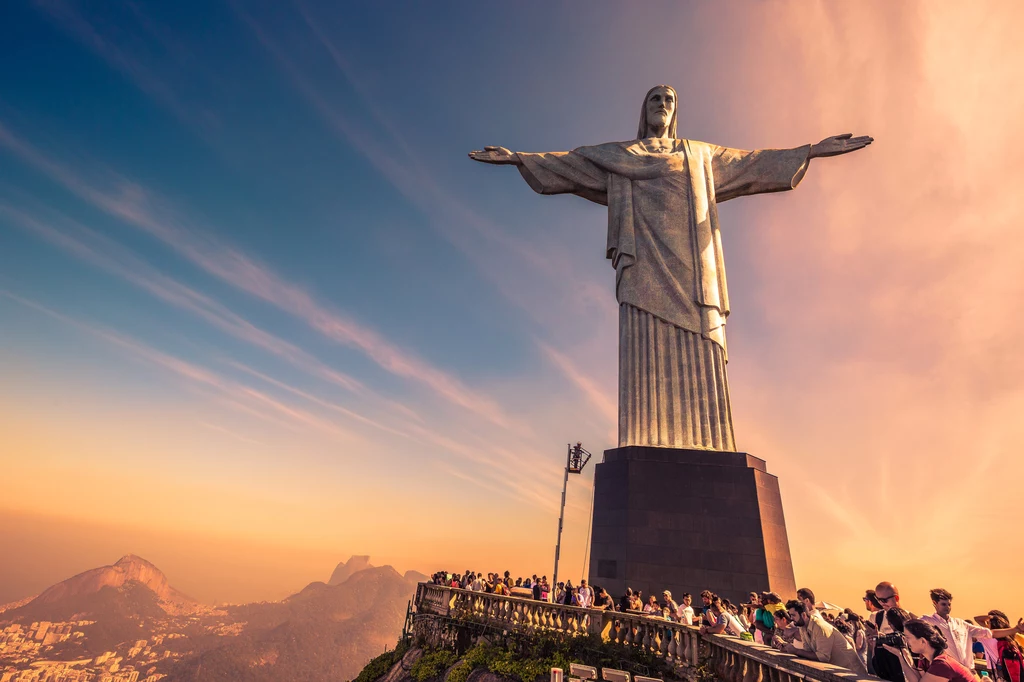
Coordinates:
665 246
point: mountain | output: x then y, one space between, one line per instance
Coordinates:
109 606
129 568
416 576
347 568
324 632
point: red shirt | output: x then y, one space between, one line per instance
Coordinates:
948 668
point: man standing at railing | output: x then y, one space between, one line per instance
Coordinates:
668 604
684 614
706 597
585 595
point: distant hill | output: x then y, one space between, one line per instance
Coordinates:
129 568
346 568
322 633
123 599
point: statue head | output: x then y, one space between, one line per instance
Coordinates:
658 110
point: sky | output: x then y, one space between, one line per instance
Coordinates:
259 312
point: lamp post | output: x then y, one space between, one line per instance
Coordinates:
575 460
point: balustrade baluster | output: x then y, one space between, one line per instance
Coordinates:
752 670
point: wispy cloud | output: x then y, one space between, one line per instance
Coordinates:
137 207
197 374
314 399
599 398
110 256
228 432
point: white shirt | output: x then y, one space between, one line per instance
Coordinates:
734 627
585 596
960 635
685 615
883 628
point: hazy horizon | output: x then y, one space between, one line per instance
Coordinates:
259 312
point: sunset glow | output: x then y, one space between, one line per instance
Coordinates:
258 312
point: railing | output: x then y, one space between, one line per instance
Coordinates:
732 659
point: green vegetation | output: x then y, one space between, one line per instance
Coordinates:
432 665
530 658
522 657
379 666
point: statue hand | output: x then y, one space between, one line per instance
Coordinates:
496 155
839 144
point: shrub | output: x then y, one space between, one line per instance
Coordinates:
431 665
377 668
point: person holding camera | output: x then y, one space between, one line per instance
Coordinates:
821 641
936 665
888 622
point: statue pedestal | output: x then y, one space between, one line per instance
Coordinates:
687 521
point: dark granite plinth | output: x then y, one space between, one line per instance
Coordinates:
686 521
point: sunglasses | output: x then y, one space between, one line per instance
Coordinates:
882 600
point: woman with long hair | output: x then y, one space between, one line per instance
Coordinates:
1009 659
925 640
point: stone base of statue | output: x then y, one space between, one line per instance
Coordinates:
687 521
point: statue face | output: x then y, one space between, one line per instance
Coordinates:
661 105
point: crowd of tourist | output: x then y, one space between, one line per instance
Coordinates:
885 640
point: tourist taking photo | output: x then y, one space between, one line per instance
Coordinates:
935 665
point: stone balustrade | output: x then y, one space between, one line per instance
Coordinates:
681 646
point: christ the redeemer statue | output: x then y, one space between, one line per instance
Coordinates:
664 243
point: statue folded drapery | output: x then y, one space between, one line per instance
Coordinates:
665 246
663 241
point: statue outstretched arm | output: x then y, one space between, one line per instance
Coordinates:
739 172
839 144
498 156
552 172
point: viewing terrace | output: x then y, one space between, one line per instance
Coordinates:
680 646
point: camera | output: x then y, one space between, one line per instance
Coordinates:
893 639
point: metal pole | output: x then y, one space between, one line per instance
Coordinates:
561 515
